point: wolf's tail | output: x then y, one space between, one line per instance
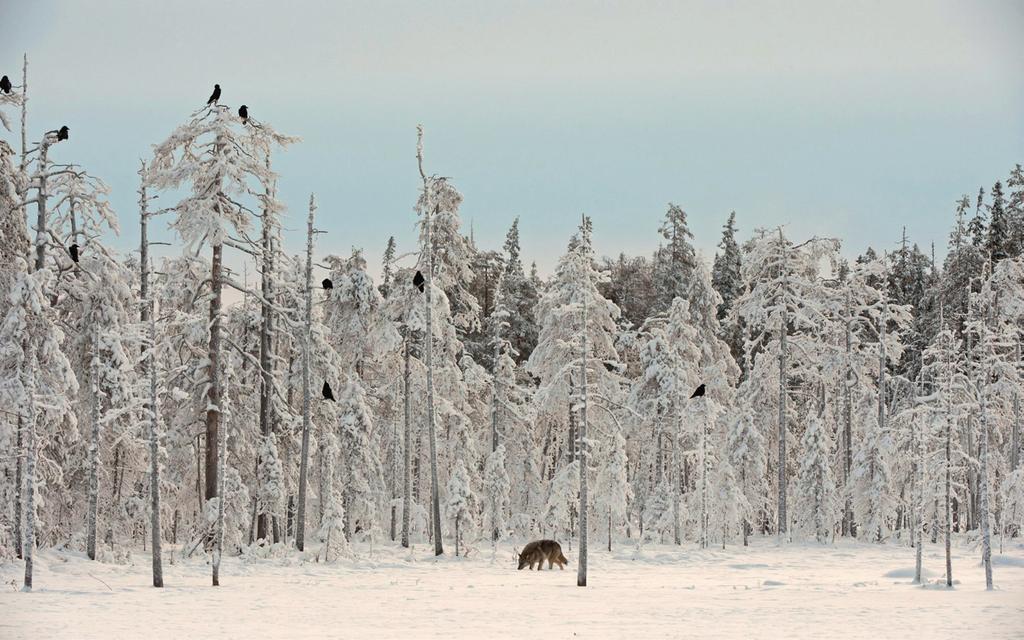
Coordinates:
561 556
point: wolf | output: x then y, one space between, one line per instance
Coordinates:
540 550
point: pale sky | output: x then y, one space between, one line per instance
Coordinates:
849 119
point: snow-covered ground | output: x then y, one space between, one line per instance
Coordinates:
793 590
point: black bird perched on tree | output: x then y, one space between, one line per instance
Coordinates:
418 281
328 394
243 113
5 84
73 250
699 392
63 133
215 96
327 283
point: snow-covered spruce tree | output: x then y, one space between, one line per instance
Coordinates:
355 315
461 505
517 293
14 244
497 501
612 492
873 501
727 278
212 155
745 452
670 361
816 496
673 262
863 344
784 306
557 355
41 383
361 473
444 255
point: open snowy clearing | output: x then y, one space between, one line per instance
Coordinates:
793 590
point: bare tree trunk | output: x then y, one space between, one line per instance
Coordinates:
30 471
218 550
919 502
949 514
677 534
705 470
300 520
1015 434
266 344
783 381
435 500
983 489
213 394
581 571
407 450
94 447
848 423
18 463
18 488
147 313
44 148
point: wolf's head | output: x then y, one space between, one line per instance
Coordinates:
523 562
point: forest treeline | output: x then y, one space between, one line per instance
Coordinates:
463 400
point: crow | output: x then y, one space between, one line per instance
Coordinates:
418 281
328 394
73 250
699 392
5 84
63 133
215 96
327 283
243 113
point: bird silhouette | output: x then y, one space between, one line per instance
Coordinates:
215 96
418 281
243 113
5 84
63 133
328 394
699 392
73 250
327 283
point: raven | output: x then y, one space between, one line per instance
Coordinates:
5 84
327 283
63 133
699 392
418 281
215 96
328 394
243 113
73 250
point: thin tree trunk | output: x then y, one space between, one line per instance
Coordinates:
266 345
919 502
581 571
407 450
30 471
18 488
213 394
435 500
986 534
218 550
147 313
848 423
94 447
782 425
300 520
